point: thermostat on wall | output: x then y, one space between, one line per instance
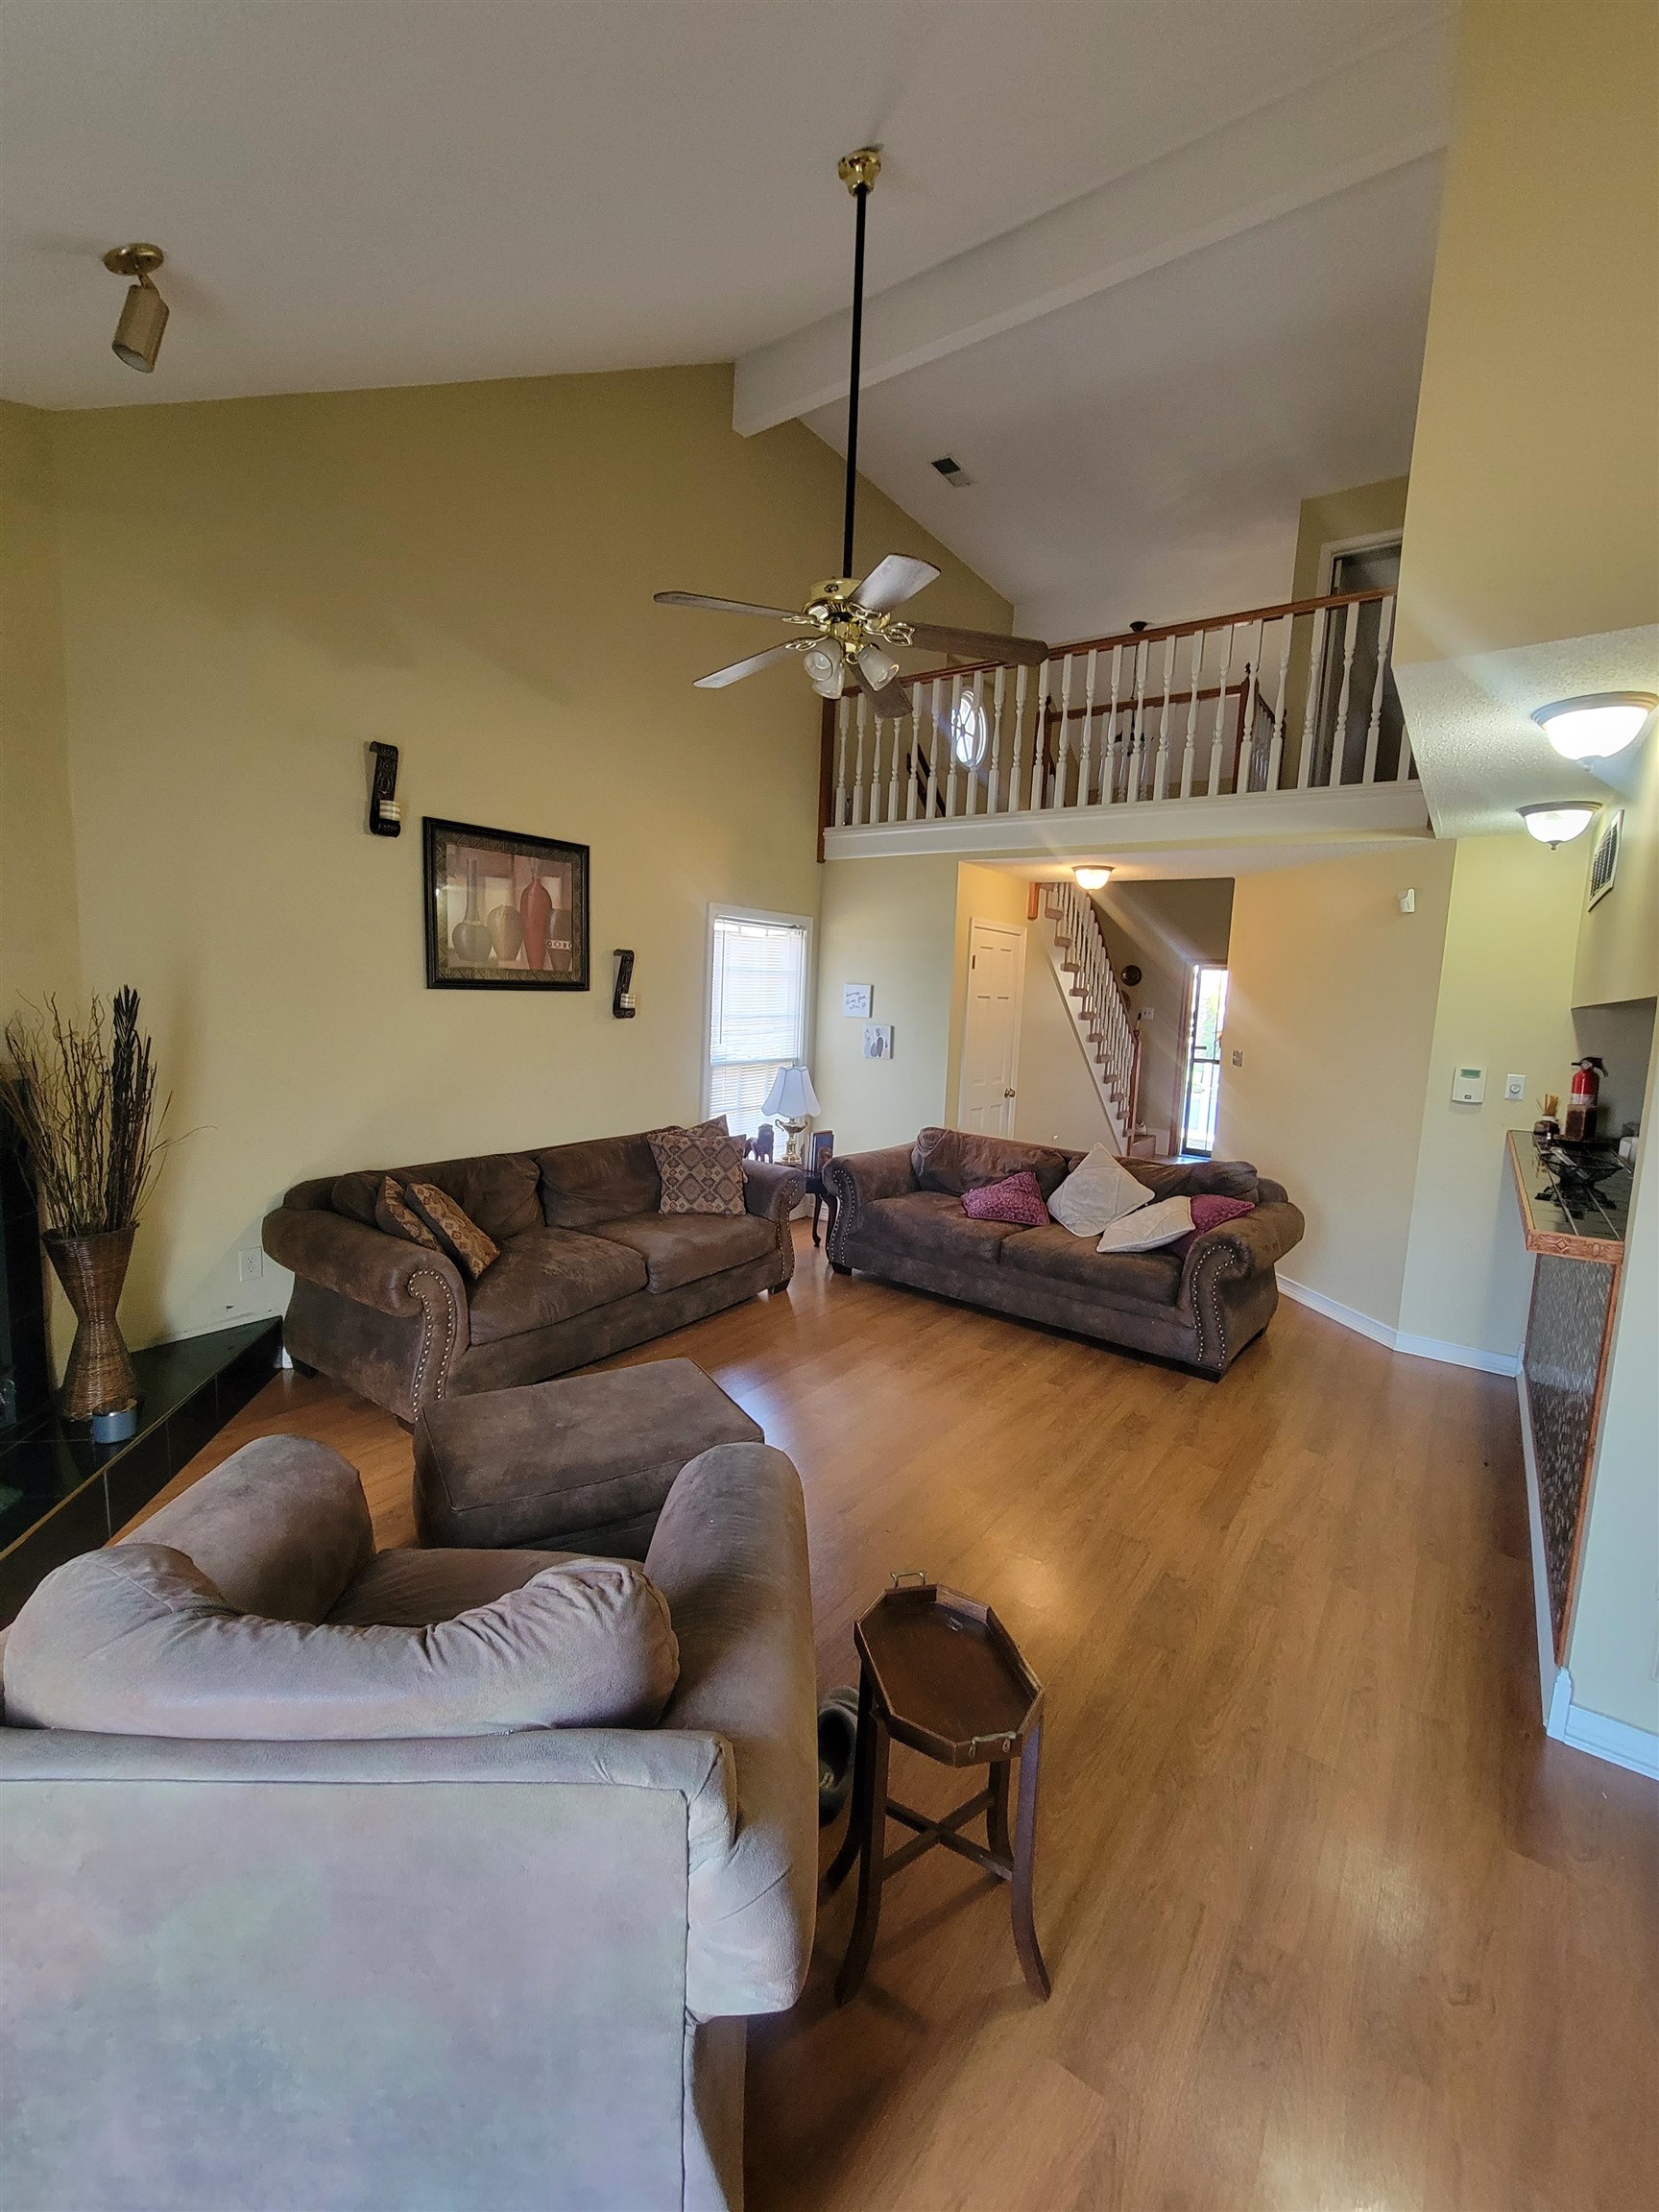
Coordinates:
1468 1086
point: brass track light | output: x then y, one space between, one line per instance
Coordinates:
144 312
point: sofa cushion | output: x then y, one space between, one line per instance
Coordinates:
580 1453
931 1226
1099 1191
957 1160
398 1218
1198 1178
1166 1221
415 1586
679 1248
135 1640
549 1275
1134 1277
701 1170
605 1179
281 1526
499 1190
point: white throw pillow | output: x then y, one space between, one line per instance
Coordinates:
1099 1191
1148 1227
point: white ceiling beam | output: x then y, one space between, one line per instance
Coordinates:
1378 112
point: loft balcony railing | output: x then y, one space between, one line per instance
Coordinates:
1297 698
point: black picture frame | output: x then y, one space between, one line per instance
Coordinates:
472 876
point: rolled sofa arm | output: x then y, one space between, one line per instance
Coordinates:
1244 1246
773 1188
858 1178
356 1262
729 1553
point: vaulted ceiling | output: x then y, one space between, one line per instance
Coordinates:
1199 232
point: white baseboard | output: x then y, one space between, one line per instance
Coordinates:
1435 1348
1614 1740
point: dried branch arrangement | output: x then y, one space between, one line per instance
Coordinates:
83 1100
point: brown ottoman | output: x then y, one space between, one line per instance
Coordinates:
579 1464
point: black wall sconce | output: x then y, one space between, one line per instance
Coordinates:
385 815
622 1003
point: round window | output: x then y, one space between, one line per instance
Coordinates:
967 731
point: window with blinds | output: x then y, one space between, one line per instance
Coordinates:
756 1011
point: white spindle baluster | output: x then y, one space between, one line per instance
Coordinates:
1062 743
882 728
950 743
933 749
1384 638
1310 706
1109 742
1189 752
980 766
915 752
1276 742
1339 736
1244 775
843 714
1040 740
1020 688
1161 766
1226 669
997 688
1136 745
858 761
1085 750
893 769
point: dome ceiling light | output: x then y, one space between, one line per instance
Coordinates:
1091 878
1597 726
1557 822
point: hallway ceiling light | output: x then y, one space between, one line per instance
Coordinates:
1091 878
1597 726
137 336
1554 823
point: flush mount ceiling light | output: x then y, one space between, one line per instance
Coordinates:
1091 878
1597 726
144 313
1554 823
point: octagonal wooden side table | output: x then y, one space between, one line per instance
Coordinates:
940 1672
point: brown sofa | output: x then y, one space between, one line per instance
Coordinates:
588 1266
898 1216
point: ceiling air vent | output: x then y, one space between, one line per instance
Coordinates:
952 471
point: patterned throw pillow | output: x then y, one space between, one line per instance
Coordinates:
1209 1210
1016 1199
702 1171
456 1232
399 1219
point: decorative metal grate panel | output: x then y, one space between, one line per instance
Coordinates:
1564 1335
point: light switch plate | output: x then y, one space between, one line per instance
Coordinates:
1468 1086
1514 1086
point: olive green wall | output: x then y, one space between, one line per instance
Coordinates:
252 589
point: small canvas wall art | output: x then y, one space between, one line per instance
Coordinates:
504 910
877 1039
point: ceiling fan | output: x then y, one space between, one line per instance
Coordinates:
854 629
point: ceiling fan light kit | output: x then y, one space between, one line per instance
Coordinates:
137 339
854 630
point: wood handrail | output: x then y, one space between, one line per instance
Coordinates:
1290 606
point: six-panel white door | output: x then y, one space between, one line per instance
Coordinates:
991 1035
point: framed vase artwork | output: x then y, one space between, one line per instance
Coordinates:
503 911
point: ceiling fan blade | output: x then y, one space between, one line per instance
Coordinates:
738 669
723 605
892 701
893 581
982 645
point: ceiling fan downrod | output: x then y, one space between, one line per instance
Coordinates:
858 172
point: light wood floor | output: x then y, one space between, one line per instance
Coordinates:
1332 1925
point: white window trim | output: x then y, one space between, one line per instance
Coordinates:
720 910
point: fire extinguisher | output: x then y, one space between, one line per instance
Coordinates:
1587 1077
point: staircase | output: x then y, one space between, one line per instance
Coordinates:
1083 968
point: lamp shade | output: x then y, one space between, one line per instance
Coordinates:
792 1096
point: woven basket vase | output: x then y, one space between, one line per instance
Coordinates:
99 1376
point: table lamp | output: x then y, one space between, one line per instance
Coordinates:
793 1101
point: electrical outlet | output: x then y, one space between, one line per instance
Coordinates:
250 1265
1514 1086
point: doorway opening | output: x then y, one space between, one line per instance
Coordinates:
1201 1086
990 1037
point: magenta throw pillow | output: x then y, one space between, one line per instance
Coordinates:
1209 1210
1017 1200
